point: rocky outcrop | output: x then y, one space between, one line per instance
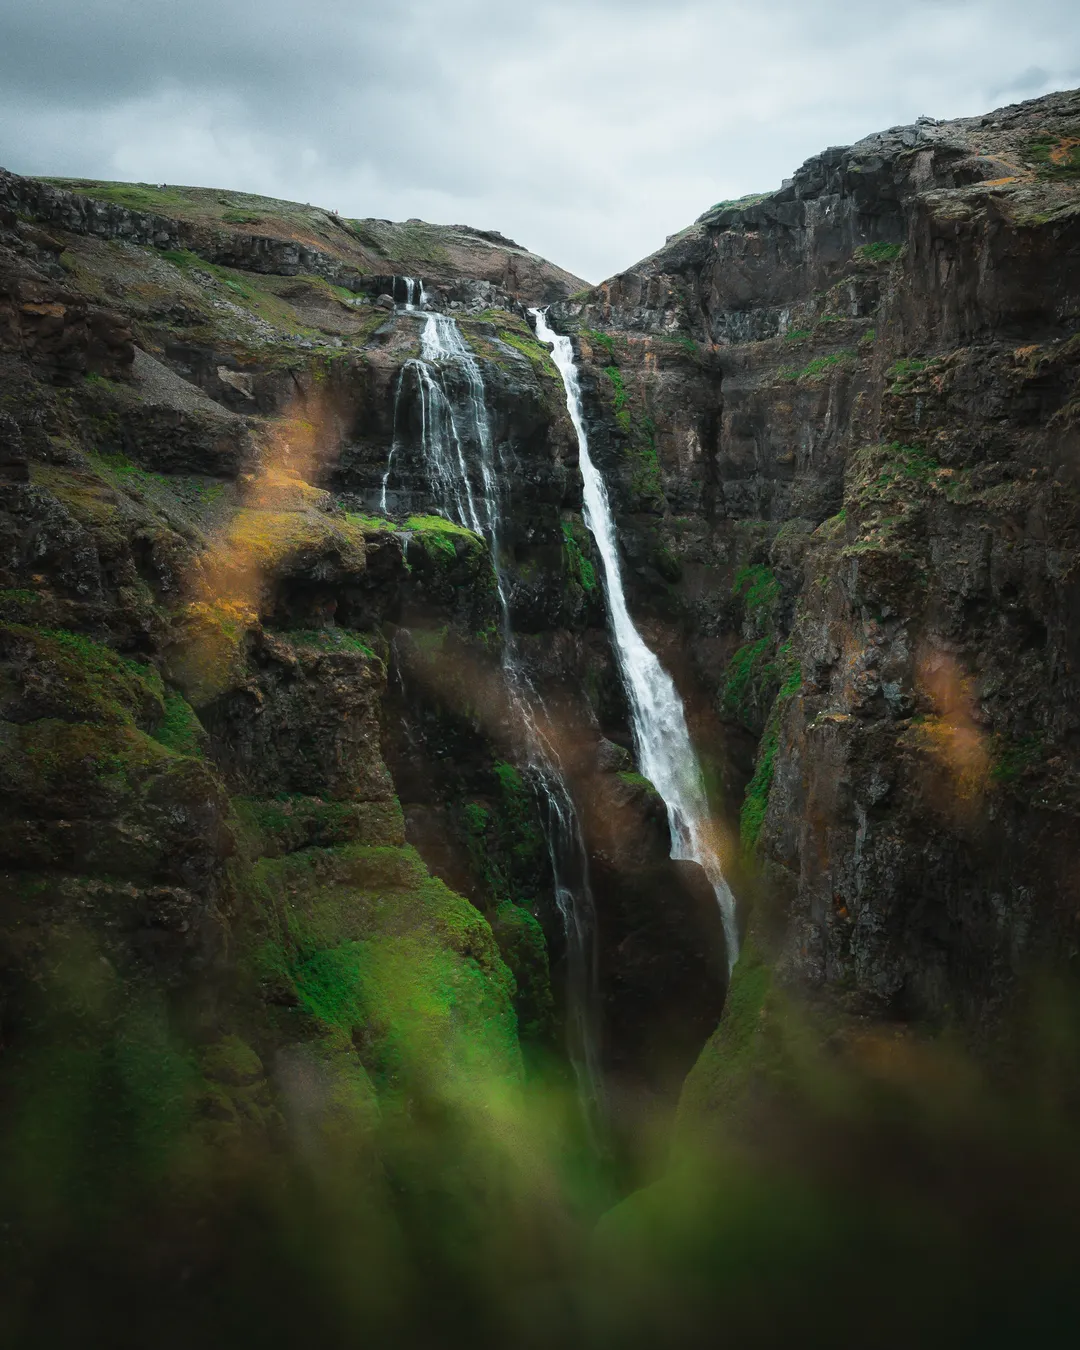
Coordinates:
262 235
222 657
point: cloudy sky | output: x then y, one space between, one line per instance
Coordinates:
586 129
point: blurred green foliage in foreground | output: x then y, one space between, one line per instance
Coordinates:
865 1189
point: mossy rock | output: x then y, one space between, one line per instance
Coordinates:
108 801
180 729
366 943
233 1062
275 541
290 822
524 949
207 650
66 676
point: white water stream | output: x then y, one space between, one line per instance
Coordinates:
665 752
465 474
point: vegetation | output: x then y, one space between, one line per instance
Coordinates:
1012 758
1057 157
819 366
756 802
180 729
620 402
683 340
878 252
750 199
603 340
575 541
902 369
748 671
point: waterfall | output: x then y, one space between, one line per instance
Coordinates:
664 749
455 432
414 292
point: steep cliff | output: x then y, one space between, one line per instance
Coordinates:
842 418
280 938
256 730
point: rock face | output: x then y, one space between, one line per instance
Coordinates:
264 235
842 422
257 747
256 738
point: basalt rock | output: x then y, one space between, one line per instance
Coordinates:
840 423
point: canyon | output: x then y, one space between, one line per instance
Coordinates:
323 803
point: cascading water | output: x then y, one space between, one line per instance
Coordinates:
665 752
455 430
414 292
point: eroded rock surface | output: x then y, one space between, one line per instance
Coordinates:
840 419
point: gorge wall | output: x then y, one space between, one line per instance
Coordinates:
261 783
261 775
843 421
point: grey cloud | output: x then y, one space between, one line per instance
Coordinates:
589 129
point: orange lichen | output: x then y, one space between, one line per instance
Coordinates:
1059 154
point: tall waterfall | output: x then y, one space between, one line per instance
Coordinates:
464 469
665 752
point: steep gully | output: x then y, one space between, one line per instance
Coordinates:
454 428
663 743
455 432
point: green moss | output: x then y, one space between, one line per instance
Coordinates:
683 341
819 367
19 606
756 800
883 473
524 949
747 671
736 203
79 680
537 353
180 730
579 566
269 539
620 401
370 523
638 781
1058 157
646 482
56 768
291 821
797 334
903 369
733 1054
1012 758
476 817
439 525
231 1060
371 945
602 340
429 1018
208 653
878 252
757 587
517 825
332 640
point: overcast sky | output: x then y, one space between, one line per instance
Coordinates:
588 130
